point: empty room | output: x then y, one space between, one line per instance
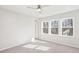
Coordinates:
39 28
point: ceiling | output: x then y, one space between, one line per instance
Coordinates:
47 10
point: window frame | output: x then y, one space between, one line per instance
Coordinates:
72 27
59 27
43 27
53 27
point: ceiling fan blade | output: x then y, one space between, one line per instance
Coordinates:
37 7
31 8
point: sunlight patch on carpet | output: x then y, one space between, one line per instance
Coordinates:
38 41
30 46
43 48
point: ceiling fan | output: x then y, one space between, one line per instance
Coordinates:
37 7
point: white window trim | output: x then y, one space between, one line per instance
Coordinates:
72 27
42 28
59 28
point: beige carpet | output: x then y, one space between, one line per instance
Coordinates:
41 47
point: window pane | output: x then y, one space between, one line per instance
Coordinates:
45 24
67 31
54 30
45 30
54 24
67 23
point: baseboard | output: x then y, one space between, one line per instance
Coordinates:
59 43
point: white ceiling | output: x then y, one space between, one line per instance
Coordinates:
47 10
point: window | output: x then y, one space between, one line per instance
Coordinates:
54 27
62 27
67 27
45 27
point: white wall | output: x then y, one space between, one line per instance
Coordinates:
15 29
70 41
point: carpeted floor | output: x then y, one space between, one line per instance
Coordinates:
41 47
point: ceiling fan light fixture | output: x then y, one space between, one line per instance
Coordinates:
39 10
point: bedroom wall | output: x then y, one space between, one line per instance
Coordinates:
15 29
70 41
